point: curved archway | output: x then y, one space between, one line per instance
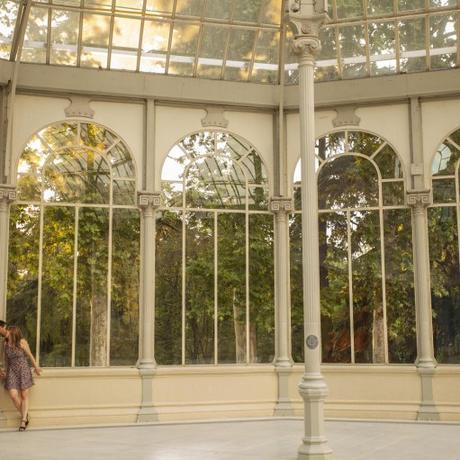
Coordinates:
73 229
367 297
215 249
444 242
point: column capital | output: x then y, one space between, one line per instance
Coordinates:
7 193
147 200
418 199
281 205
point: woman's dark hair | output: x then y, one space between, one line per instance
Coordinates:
14 336
2 323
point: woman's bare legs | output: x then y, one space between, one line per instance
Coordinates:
24 404
14 395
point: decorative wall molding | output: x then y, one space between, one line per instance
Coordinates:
416 169
281 204
418 198
7 193
148 199
79 107
214 118
346 116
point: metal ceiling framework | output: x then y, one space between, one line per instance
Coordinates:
231 39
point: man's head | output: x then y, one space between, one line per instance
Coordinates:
3 330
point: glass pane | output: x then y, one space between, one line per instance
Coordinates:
215 183
96 136
121 161
159 6
330 145
183 48
412 45
91 318
406 5
124 321
171 194
399 283
271 12
36 37
247 11
353 51
261 289
334 285
212 48
239 54
195 145
126 32
168 289
349 8
445 160
393 193
368 319
124 192
443 42
266 57
254 168
231 256
326 63
218 10
445 288
95 40
57 287
379 7
258 198
57 136
123 60
362 142
154 46
22 295
199 295
382 48
77 175
64 37
297 331
189 7
348 182
443 190
130 5
388 162
8 17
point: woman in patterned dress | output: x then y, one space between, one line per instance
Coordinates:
18 377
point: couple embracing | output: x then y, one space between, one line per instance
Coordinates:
16 374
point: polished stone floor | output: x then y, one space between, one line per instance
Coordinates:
245 440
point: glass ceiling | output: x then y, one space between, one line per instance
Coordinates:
234 39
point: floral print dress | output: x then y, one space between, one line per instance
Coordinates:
18 373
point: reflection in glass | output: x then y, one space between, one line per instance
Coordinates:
57 286
91 320
261 289
199 289
445 288
231 256
445 160
22 295
443 190
124 319
168 289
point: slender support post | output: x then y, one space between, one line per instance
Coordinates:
149 203
426 363
306 18
7 195
283 362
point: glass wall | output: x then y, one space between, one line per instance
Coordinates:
365 247
73 278
215 272
444 224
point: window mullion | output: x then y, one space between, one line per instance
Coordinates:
75 281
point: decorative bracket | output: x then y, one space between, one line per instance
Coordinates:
214 117
148 200
281 204
7 193
346 116
418 198
79 107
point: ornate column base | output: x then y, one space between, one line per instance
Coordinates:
315 446
283 407
147 412
428 410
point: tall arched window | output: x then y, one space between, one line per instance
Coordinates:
365 246
214 281
74 247
444 224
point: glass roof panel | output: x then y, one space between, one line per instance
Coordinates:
8 16
235 39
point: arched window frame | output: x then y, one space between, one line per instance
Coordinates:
382 206
184 210
48 154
